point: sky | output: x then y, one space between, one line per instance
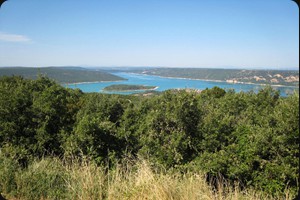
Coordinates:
254 34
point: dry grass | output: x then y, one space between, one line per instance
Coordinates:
139 181
131 180
85 181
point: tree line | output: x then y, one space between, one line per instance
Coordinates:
248 137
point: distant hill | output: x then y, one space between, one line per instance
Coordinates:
272 77
61 74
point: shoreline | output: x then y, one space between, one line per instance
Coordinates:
210 80
92 82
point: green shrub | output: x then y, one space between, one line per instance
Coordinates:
9 167
44 179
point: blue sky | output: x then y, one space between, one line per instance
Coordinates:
170 33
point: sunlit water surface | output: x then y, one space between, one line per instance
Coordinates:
170 83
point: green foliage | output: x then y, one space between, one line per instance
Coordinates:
215 92
247 137
169 133
34 115
95 130
42 179
9 166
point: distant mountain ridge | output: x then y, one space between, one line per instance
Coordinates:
66 74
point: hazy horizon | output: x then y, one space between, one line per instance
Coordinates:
227 34
225 67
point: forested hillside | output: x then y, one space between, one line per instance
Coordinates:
273 77
60 74
252 138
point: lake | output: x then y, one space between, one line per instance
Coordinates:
164 83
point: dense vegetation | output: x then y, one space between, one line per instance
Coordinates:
275 77
246 137
124 87
53 178
60 74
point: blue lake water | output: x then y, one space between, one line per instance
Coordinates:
170 83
